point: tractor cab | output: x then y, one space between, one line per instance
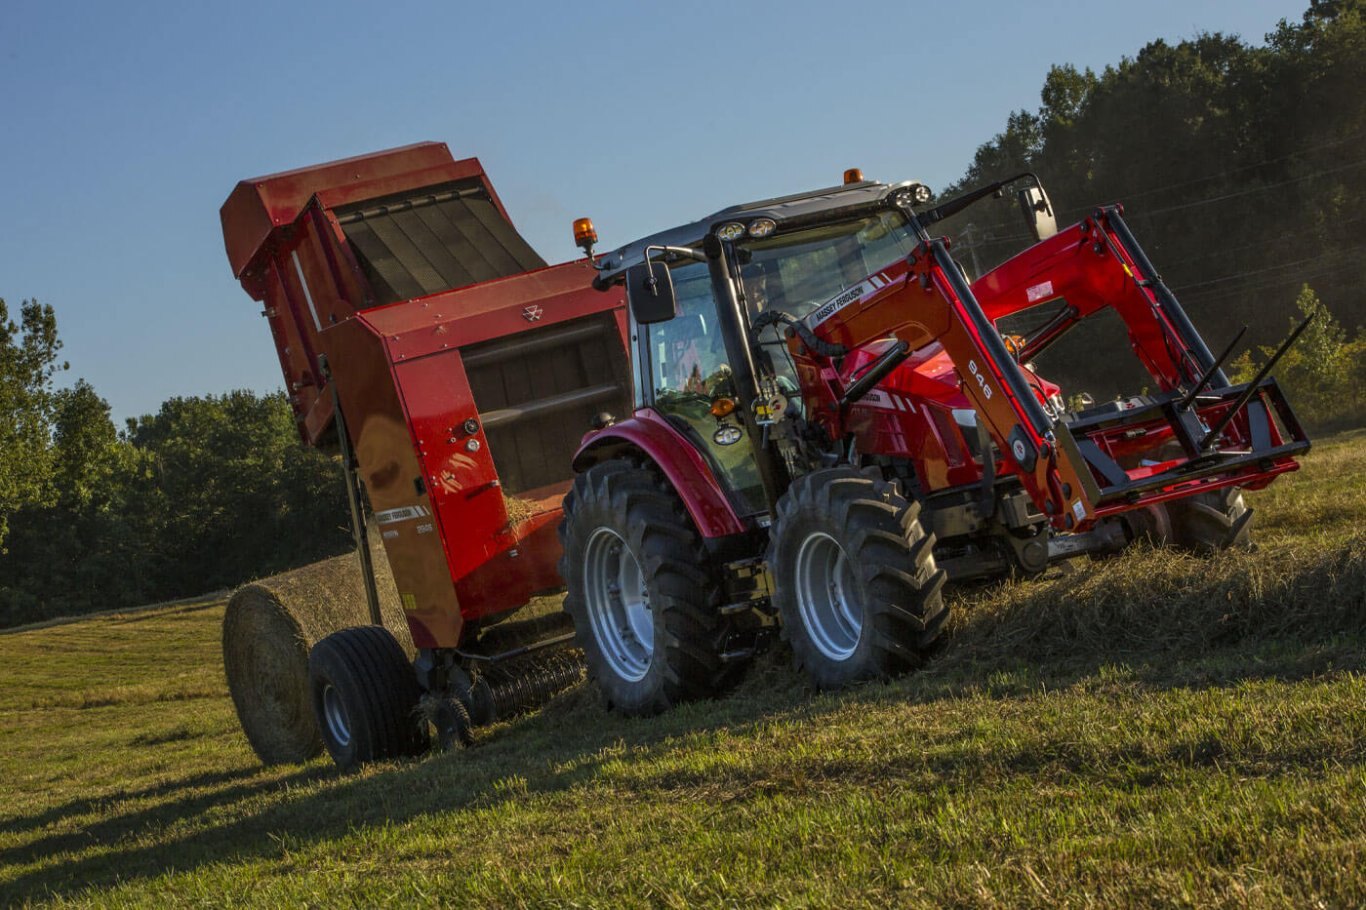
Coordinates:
708 359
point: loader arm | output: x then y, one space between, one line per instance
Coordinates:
1097 264
924 299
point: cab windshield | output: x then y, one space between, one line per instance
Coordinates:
797 271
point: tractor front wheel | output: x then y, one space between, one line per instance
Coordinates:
365 697
643 595
854 577
1209 522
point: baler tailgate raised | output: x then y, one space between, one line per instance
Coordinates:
446 237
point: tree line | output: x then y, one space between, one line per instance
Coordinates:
204 494
1243 173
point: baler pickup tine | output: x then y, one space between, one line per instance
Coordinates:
1209 374
1251 390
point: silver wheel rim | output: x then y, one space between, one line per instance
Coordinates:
338 726
618 605
827 597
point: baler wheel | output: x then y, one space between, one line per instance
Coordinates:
643 595
365 697
854 577
1209 522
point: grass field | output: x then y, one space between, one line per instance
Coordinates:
1154 729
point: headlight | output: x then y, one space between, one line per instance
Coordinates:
761 227
730 231
915 194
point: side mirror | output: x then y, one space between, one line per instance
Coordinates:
1038 213
650 293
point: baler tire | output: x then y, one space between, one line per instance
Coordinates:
365 697
622 514
1209 522
882 557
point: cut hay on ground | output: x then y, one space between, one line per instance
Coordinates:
1156 601
268 629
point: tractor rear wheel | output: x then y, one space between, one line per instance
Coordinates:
365 697
1209 522
854 577
641 591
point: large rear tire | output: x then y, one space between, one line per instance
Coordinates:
642 594
854 577
1209 522
365 697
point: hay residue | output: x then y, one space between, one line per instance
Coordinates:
268 629
519 510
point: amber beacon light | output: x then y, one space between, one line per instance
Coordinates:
585 235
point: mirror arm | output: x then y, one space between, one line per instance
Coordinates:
958 203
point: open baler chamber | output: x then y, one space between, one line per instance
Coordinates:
465 369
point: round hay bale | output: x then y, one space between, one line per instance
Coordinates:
268 629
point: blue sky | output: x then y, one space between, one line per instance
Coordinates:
127 124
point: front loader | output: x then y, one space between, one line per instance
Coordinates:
829 424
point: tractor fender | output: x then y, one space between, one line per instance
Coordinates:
649 435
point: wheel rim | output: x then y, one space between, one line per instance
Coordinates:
334 714
618 605
827 597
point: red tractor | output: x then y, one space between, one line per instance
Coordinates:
828 424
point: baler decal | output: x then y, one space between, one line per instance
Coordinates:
403 513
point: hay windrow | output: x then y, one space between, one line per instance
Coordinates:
1162 601
268 629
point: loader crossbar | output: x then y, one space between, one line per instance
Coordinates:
1261 440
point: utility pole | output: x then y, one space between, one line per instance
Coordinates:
970 235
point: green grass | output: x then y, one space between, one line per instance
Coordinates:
1154 729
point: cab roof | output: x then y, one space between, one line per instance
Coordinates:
799 209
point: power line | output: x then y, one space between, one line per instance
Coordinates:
1238 170
1212 296
1249 191
1273 268
1279 238
991 240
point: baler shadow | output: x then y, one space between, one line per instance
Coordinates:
112 830
18 824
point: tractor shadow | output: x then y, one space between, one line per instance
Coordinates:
571 742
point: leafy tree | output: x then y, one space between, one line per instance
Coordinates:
28 362
1324 372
